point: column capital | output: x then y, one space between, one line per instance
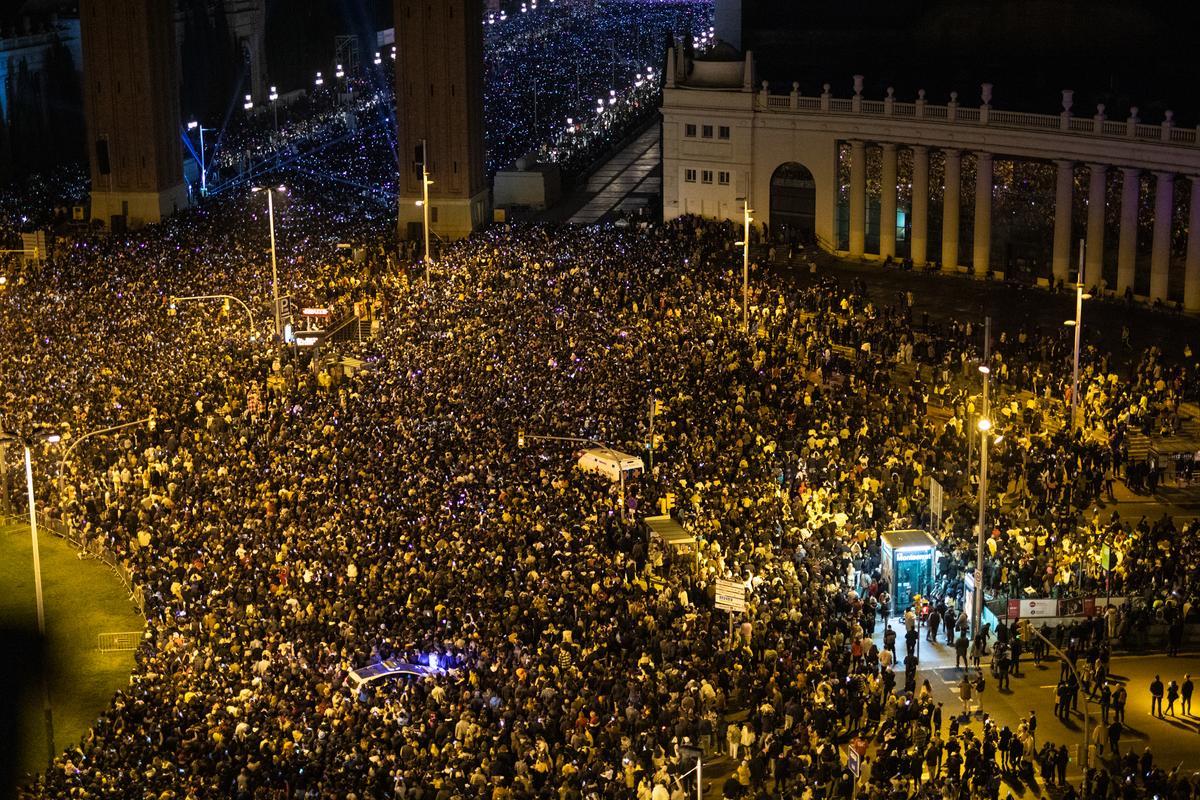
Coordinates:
888 146
983 155
1164 176
923 148
857 142
1064 163
949 152
1131 172
1097 168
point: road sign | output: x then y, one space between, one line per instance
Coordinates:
935 500
308 338
315 312
1108 559
853 763
731 595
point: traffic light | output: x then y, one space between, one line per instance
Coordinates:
520 439
171 307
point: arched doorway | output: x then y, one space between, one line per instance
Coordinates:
793 203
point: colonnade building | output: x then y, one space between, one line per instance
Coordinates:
726 139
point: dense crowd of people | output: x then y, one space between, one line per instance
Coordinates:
543 67
288 522
288 527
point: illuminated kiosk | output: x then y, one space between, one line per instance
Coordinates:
908 559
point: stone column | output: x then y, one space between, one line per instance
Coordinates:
950 209
1064 191
1094 257
887 202
919 243
983 214
1160 253
858 198
1191 270
1127 241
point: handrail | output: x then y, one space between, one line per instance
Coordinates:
1135 130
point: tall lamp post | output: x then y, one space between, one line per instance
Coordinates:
274 98
522 437
424 204
196 126
985 426
1077 323
274 269
745 244
26 442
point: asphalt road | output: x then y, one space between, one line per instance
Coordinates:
1172 740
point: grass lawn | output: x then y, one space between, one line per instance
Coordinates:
82 598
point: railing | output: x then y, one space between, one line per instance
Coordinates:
344 330
93 549
1165 133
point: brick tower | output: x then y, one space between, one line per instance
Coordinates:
131 98
439 98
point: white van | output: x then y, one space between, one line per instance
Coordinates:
610 463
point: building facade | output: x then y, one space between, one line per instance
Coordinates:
724 138
439 100
131 101
248 25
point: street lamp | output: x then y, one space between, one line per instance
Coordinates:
274 98
249 104
1077 324
196 126
62 462
274 270
745 245
320 81
424 204
985 427
227 298
26 443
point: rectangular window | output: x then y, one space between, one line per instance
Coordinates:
689 175
706 176
723 132
706 133
689 131
723 178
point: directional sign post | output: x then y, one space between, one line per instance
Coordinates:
935 506
731 597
